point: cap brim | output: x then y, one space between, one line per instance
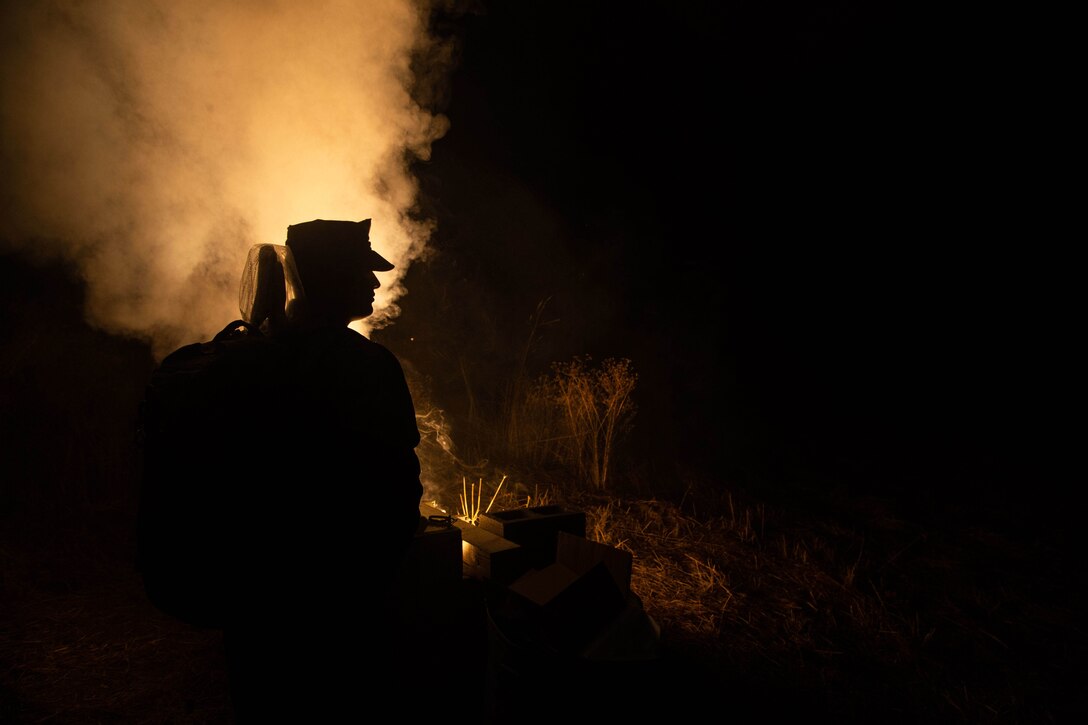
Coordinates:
378 263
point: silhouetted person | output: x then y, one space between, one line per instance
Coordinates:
333 502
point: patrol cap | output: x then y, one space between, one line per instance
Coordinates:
323 242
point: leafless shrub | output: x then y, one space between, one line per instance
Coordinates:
577 414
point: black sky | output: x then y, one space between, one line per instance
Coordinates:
813 227
826 234
834 239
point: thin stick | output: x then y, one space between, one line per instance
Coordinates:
494 495
464 496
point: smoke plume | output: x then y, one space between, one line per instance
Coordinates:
151 143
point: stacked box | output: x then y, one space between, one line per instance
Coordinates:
429 584
535 529
580 555
434 557
570 608
488 556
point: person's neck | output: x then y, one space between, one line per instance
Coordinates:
311 324
326 322
325 319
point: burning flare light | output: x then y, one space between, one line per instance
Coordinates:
472 499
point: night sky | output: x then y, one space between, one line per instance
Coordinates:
818 231
832 238
824 234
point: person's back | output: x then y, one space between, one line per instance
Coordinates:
341 501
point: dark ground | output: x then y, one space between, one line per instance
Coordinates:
80 643
829 239
84 646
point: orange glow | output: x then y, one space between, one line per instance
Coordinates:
160 140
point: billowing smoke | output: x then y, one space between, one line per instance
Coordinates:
152 142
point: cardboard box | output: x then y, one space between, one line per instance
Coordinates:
631 636
569 608
579 554
433 558
574 600
485 555
430 581
535 529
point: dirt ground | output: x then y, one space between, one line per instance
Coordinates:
81 643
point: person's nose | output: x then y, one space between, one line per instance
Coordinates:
374 283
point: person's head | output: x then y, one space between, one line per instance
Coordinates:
336 266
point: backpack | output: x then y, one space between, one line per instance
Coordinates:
207 418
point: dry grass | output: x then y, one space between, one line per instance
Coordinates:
80 643
872 615
886 623
865 616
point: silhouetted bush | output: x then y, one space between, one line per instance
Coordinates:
574 417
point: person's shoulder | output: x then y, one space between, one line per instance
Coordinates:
350 345
364 343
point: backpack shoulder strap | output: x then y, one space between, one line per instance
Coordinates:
237 328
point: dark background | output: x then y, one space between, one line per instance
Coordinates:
826 235
834 242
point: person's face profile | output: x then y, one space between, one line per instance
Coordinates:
361 294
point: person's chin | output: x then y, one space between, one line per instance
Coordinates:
363 313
